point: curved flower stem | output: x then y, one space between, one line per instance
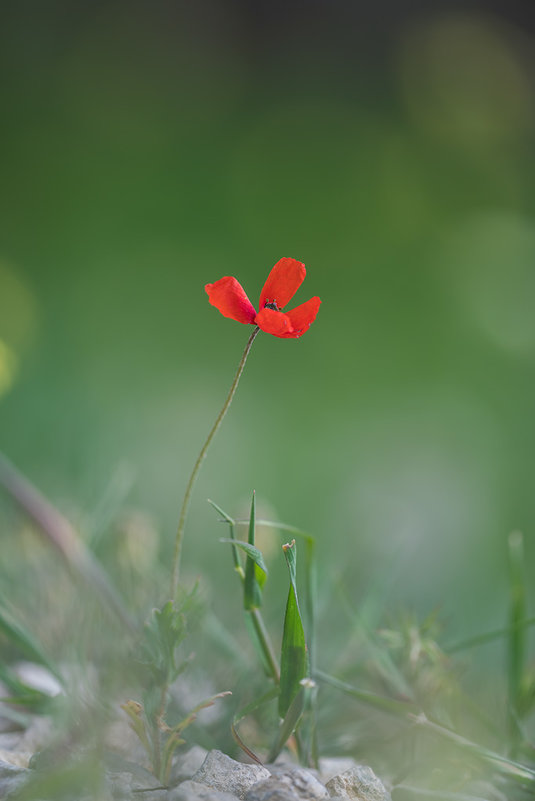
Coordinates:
192 479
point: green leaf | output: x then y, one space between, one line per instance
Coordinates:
252 597
235 556
251 551
400 709
162 634
223 514
294 657
289 724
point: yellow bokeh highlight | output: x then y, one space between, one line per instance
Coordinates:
8 368
18 308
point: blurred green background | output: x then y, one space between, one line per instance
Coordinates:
149 148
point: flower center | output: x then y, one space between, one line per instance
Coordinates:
270 304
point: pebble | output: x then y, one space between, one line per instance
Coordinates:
194 791
225 774
296 784
11 778
360 783
199 775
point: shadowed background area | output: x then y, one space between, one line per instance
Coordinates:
150 148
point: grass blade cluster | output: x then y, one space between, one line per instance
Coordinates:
294 657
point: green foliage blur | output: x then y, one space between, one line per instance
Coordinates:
150 148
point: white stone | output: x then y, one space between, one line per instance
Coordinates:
297 784
360 783
225 774
193 791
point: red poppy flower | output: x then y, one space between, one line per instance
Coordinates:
282 283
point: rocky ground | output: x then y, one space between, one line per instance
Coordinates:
200 775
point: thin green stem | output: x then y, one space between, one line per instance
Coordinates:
197 466
265 644
156 733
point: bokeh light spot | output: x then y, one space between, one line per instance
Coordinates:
491 259
18 308
463 79
8 368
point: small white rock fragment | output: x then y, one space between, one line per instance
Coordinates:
271 790
38 677
193 791
296 784
11 778
225 774
19 759
360 783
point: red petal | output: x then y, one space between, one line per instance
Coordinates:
302 317
229 297
283 282
273 322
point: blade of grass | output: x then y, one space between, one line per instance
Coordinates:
483 639
252 598
517 640
227 517
61 534
309 742
251 551
248 710
507 767
288 724
235 556
391 706
297 532
294 657
310 595
383 661
254 620
411 714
